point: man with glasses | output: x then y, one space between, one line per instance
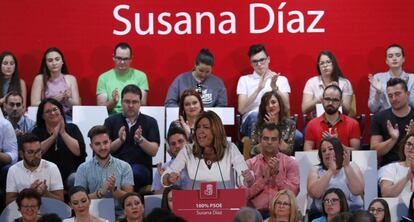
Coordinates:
332 123
273 171
135 136
113 81
14 108
33 172
251 88
388 127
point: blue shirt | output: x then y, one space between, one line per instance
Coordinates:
92 175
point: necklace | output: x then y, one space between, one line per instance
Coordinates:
209 163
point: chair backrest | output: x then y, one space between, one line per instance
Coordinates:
158 113
85 117
32 112
104 208
306 161
397 208
58 207
151 202
367 162
10 213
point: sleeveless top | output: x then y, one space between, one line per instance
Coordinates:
54 87
338 181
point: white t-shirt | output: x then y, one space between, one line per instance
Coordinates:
394 172
19 178
248 84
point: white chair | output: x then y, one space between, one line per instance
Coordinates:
32 112
58 207
306 161
151 202
85 117
10 213
397 208
104 208
367 162
158 113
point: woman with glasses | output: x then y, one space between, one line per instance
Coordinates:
334 202
191 106
79 202
329 73
28 203
335 170
283 207
133 205
54 81
272 110
396 179
9 77
61 143
379 208
211 87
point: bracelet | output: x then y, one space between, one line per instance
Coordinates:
98 194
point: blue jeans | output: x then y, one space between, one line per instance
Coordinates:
298 144
142 176
247 125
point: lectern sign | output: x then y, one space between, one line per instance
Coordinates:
208 203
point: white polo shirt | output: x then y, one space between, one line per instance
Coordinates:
19 177
248 84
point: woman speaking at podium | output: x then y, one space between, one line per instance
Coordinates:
210 158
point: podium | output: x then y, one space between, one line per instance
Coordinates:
208 203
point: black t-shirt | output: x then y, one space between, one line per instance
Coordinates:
379 127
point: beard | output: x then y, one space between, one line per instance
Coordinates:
32 163
330 110
102 157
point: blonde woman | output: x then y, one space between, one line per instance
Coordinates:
283 207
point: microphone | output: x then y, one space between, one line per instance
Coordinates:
221 174
198 165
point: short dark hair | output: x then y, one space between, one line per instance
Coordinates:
97 130
396 81
176 130
362 216
26 138
270 127
13 93
254 49
164 199
397 46
205 57
131 88
333 86
343 203
52 217
129 194
123 45
248 214
76 189
28 193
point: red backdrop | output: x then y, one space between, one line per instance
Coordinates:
357 32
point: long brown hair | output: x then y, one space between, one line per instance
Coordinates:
189 92
219 135
44 70
14 84
262 107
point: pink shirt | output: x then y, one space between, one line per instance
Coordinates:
261 192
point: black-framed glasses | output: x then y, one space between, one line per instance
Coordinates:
331 201
122 59
327 62
332 100
257 62
53 110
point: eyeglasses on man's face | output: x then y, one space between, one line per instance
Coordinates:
122 59
257 62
